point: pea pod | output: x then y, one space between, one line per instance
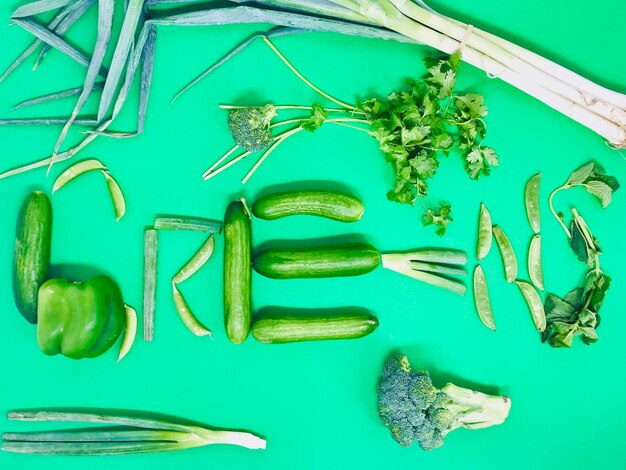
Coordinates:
481 298
534 304
508 255
485 234
535 270
531 197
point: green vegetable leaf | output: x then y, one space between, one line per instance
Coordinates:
439 217
317 118
601 190
579 175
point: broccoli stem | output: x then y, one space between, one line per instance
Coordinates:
475 410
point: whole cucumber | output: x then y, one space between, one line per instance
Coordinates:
329 204
351 259
32 252
277 329
237 272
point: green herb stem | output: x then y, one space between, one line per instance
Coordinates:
304 79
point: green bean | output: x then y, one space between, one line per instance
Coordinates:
508 255
535 304
531 197
484 233
481 298
535 271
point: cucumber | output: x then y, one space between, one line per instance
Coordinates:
329 204
277 329
237 272
32 253
331 261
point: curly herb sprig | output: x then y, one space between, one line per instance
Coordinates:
414 127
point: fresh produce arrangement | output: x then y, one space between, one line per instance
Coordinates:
415 410
133 434
415 127
559 320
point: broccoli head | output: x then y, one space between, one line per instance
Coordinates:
250 127
415 410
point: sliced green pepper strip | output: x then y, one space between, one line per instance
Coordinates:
79 319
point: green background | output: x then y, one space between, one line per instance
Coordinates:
316 402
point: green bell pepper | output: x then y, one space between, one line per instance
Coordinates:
79 319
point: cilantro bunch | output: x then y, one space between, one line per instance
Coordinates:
414 127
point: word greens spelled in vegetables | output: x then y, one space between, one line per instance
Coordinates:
577 314
415 410
131 434
414 128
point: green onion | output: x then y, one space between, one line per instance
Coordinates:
105 24
154 436
150 249
122 51
49 37
41 6
178 222
58 95
87 121
435 267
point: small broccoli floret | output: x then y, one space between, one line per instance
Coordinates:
415 410
250 127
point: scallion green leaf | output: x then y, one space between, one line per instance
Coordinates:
150 248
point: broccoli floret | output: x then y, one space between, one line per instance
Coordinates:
250 127
415 410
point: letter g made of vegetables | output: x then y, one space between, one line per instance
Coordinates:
79 319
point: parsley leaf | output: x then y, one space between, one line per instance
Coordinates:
416 126
439 217
315 121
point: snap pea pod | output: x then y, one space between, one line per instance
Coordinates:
535 304
481 298
77 170
535 271
485 234
508 255
531 198
130 331
189 269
